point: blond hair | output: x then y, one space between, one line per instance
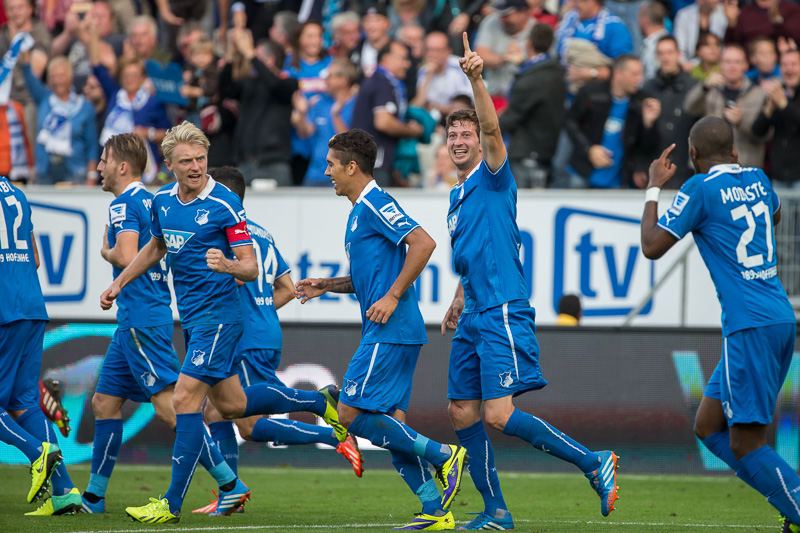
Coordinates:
60 61
183 133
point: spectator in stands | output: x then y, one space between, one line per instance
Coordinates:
346 33
142 41
381 108
764 60
201 79
413 36
441 77
540 14
176 13
262 139
443 174
430 16
669 86
730 95
651 24
323 116
501 42
781 112
66 145
709 51
762 18
16 156
282 30
694 20
535 110
628 13
187 34
376 28
93 92
612 126
569 310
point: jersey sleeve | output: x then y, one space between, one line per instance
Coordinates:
383 97
618 40
155 223
389 218
234 221
123 216
686 212
282 269
499 180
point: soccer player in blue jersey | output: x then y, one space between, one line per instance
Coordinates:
201 225
387 250
260 347
731 212
140 363
22 321
495 355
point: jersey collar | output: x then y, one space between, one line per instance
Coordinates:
725 167
471 172
203 194
371 185
133 185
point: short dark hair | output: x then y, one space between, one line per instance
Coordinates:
703 37
735 46
273 49
541 38
130 148
621 62
669 38
570 304
357 146
712 137
230 177
387 49
463 115
655 12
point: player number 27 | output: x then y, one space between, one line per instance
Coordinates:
741 249
267 267
5 235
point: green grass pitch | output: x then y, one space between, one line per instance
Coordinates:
287 499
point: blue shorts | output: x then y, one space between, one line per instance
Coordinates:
380 376
211 351
751 372
139 363
258 366
495 353
21 361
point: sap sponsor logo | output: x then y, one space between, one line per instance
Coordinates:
597 255
175 240
117 213
62 236
391 213
201 217
452 221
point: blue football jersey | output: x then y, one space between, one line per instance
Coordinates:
145 301
374 246
482 221
262 330
729 212
19 284
189 230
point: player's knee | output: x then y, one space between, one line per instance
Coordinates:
167 417
461 415
101 407
496 419
246 431
700 430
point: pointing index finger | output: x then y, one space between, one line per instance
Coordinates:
466 43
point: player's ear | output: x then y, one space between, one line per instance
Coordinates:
123 167
352 168
735 155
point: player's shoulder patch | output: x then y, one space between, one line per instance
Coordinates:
678 203
117 212
391 212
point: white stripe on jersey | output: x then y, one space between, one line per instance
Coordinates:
223 202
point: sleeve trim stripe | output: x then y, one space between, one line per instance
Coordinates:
498 168
406 235
283 273
128 230
669 231
242 243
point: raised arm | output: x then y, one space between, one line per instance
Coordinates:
655 240
494 151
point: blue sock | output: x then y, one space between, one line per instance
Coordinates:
107 441
418 478
283 431
212 460
389 433
720 445
189 434
34 421
481 466
545 437
264 399
224 436
11 433
775 479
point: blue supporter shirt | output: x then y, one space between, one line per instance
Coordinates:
189 230
374 246
144 302
19 284
320 115
729 212
262 330
616 39
482 221
611 177
311 78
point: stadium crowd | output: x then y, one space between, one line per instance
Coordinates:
588 91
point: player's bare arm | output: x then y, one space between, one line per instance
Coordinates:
656 241
148 257
494 151
35 251
243 268
282 291
309 288
123 251
420 248
453 313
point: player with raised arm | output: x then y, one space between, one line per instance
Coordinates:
22 321
140 364
201 225
387 250
731 212
260 347
495 355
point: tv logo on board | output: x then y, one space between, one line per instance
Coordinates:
598 256
62 236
